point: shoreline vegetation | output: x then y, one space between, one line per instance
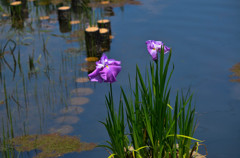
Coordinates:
147 123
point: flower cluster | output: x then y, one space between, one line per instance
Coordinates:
106 70
155 46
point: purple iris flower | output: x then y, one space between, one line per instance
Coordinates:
106 70
154 47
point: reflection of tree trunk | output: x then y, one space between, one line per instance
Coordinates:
24 8
92 38
16 13
16 9
79 6
64 18
104 39
105 23
80 3
108 11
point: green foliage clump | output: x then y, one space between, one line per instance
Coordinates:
156 127
51 145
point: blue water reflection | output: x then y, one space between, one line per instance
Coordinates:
204 36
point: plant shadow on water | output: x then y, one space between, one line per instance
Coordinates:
45 57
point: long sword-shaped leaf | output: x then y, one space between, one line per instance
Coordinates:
183 136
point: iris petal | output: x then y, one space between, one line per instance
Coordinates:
153 53
95 76
113 62
109 74
106 70
166 49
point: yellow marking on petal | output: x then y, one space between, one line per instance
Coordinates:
107 66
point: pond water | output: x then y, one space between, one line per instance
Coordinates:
43 66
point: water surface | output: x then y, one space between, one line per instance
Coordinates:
204 36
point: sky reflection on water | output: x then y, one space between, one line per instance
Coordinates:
204 36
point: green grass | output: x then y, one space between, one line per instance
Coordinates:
158 128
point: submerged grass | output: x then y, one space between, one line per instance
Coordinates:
157 127
6 149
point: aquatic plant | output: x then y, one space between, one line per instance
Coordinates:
3 62
1 10
51 145
154 128
6 149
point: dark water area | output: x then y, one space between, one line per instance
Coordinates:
53 94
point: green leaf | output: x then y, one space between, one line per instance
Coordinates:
112 155
169 106
183 136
